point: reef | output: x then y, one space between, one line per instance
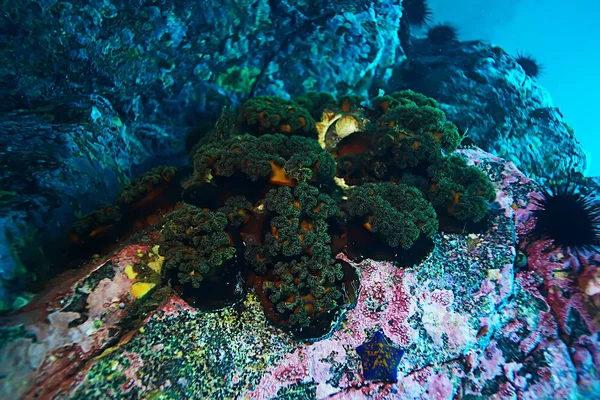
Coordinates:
46 148
470 319
301 201
94 130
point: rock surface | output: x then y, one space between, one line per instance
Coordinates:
483 89
58 162
163 62
472 323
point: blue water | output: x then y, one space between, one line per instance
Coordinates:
562 35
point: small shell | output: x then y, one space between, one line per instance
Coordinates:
346 126
328 118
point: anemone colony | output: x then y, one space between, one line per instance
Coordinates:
274 197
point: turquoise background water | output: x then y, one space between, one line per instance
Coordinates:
564 36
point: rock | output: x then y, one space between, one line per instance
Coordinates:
485 91
170 62
356 34
467 322
59 161
74 320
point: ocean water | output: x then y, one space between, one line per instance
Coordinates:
277 199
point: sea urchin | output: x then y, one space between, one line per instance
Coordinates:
569 217
417 12
530 65
441 34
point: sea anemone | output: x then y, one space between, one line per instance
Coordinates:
441 34
417 12
568 216
530 65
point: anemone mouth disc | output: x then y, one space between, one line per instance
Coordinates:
569 217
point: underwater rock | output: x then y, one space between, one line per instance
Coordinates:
58 161
172 63
467 322
79 315
166 66
356 34
483 89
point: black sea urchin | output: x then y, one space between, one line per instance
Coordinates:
417 12
530 65
441 34
569 217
